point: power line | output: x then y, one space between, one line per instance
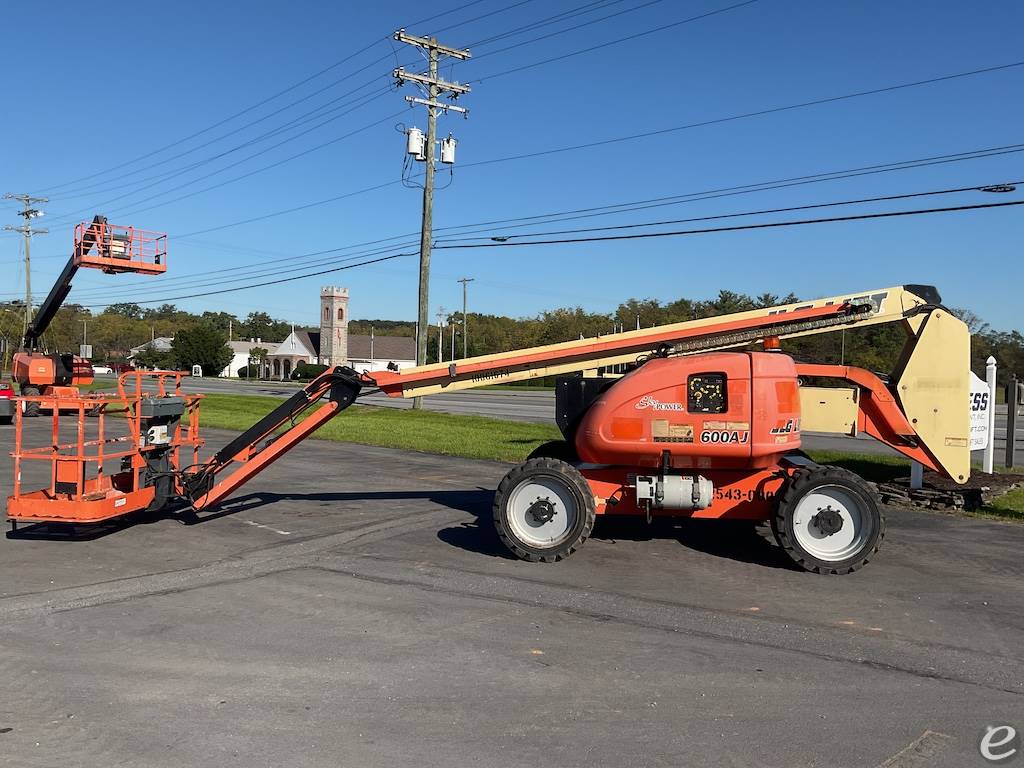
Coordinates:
228 119
704 123
579 10
599 46
609 210
631 206
576 27
741 189
204 282
647 235
270 282
257 105
265 150
746 115
860 201
803 222
81 191
762 212
262 168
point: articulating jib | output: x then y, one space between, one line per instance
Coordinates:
259 446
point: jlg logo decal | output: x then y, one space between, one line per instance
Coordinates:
789 427
723 436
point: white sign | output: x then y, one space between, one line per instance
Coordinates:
85 350
980 404
197 370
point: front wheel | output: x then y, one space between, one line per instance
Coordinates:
829 521
543 510
31 408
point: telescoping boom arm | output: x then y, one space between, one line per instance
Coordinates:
61 288
884 305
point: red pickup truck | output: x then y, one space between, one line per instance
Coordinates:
6 403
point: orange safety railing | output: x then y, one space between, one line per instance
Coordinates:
115 248
82 441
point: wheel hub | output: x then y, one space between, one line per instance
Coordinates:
542 510
828 521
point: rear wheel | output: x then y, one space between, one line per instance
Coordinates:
31 409
829 520
543 510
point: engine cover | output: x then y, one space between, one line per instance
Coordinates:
711 409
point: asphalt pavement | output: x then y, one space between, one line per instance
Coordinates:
352 606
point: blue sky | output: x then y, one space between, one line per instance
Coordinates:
92 92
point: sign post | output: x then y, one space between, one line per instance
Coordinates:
990 446
981 411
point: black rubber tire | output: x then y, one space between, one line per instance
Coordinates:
800 484
6 420
571 478
31 409
562 450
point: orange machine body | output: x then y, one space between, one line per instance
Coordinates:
723 410
41 370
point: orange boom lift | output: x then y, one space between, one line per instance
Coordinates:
684 420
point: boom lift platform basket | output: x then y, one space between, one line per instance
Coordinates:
122 455
116 248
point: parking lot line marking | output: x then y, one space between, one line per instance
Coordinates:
919 752
267 527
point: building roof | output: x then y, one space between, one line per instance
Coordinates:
299 344
245 347
384 347
160 343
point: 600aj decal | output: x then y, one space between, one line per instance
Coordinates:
723 436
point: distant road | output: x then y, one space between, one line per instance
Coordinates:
538 406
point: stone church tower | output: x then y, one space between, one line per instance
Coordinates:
333 326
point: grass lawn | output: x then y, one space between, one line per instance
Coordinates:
474 437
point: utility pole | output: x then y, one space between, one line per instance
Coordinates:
28 213
453 343
434 88
465 335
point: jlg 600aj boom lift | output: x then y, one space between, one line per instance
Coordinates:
691 429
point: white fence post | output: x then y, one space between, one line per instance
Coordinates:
990 449
916 475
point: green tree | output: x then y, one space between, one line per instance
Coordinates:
154 358
260 325
222 321
204 346
125 309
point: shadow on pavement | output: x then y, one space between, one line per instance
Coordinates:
86 531
739 540
470 500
